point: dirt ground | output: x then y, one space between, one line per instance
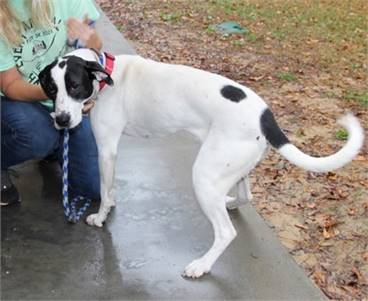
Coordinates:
308 60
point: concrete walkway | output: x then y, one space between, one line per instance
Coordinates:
156 229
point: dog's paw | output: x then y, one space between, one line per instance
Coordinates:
95 220
196 269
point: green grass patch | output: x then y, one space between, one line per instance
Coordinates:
320 32
341 134
357 96
280 33
251 37
120 27
335 20
210 30
238 43
171 17
286 76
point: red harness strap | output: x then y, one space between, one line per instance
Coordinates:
109 67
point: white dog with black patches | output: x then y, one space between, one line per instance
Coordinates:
147 98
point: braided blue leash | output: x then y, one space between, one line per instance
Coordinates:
70 208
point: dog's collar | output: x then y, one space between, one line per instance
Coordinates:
107 60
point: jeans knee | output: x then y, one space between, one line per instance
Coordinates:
26 138
88 189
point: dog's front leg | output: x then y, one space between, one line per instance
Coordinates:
107 158
107 132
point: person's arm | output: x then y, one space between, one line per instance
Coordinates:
15 87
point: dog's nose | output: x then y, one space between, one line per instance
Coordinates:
63 119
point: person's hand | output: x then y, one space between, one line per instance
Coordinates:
83 32
88 106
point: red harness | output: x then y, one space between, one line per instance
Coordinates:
109 67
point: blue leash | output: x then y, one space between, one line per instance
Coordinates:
71 210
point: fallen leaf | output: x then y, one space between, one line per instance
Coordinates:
301 226
341 193
358 275
329 222
311 205
319 277
351 211
332 176
360 158
256 78
327 234
364 183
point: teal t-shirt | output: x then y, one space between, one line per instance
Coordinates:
40 46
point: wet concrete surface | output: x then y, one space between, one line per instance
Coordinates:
156 229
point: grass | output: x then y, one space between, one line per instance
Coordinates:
328 21
120 27
304 35
328 34
335 21
171 17
286 76
341 134
238 43
357 96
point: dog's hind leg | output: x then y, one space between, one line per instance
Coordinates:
243 194
213 206
218 167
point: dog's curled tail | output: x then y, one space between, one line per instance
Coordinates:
277 139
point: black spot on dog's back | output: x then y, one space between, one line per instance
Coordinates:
233 93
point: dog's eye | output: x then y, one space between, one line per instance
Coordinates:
52 90
74 86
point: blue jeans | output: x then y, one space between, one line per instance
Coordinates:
28 132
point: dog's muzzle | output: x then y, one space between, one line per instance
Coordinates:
63 119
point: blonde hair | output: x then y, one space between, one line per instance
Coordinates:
11 27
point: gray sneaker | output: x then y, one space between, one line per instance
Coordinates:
9 193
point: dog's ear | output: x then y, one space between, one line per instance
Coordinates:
47 82
99 72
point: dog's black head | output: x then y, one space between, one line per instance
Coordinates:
70 81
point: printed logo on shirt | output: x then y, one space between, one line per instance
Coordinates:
33 54
38 46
